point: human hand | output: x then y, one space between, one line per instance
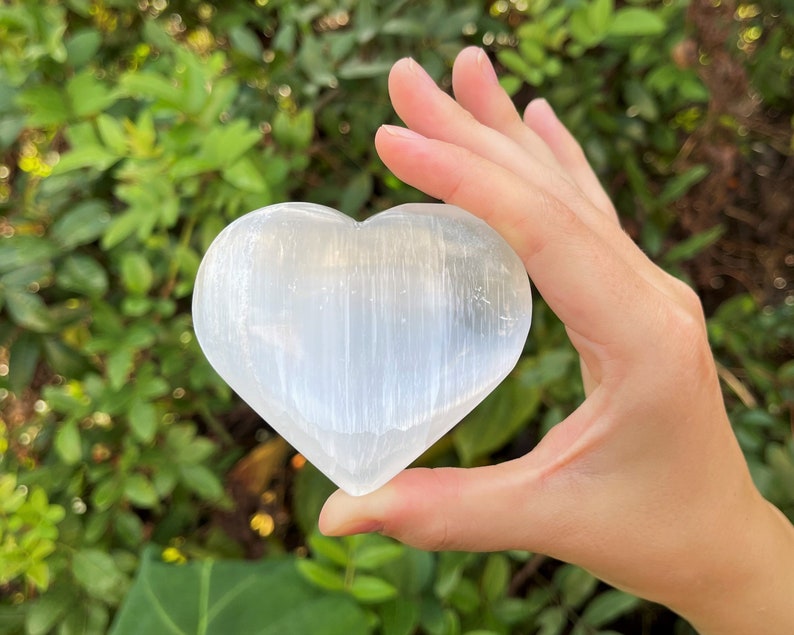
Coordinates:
644 484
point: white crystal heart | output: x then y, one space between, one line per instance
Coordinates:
361 343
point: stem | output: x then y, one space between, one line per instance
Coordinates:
173 269
350 573
215 425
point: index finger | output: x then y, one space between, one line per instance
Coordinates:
591 289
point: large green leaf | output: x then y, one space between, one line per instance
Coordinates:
214 597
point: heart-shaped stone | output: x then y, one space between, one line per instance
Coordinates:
361 343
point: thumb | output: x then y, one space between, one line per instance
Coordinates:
434 509
519 504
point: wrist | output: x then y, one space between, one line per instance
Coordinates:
749 586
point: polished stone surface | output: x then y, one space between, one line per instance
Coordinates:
361 343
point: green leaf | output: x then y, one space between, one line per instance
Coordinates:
96 571
121 227
375 556
532 51
244 176
224 90
118 365
320 575
636 22
356 194
312 489
582 30
465 597
608 606
552 621
294 132
449 573
511 60
88 617
45 106
21 251
22 360
497 419
136 273
129 528
68 444
599 13
223 145
82 274
576 584
194 451
267 597
202 481
84 223
28 276
38 573
329 548
143 420
399 617
693 245
640 100
11 125
246 42
85 156
514 610
88 95
107 493
495 577
47 611
64 359
151 85
112 134
371 590
28 310
140 492
82 46
680 184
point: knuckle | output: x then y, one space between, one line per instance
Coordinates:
683 324
549 209
456 186
686 326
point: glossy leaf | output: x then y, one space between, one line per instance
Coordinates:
608 606
219 597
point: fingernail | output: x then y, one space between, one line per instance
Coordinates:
366 527
486 68
359 527
403 133
545 105
419 72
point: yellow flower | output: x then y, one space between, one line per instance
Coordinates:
173 555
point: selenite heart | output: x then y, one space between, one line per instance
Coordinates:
361 343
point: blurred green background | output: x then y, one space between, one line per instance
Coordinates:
137 494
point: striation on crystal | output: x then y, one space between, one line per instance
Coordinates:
361 343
